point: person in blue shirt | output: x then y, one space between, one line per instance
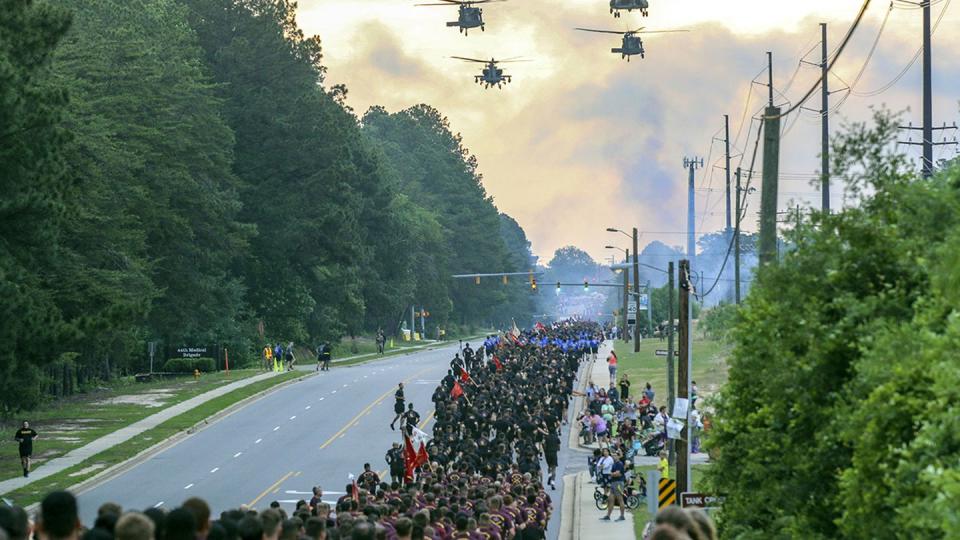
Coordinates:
617 482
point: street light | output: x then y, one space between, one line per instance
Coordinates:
628 235
636 282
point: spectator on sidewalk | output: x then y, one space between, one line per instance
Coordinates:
612 365
616 484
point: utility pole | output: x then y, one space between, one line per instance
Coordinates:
649 310
927 93
691 165
771 172
736 247
671 381
636 292
626 297
824 124
726 140
413 321
683 377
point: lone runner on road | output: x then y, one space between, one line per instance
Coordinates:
398 406
25 436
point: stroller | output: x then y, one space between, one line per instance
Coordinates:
652 441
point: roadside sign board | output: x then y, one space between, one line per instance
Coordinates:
632 313
701 500
667 494
662 352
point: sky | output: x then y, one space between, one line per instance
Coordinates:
582 140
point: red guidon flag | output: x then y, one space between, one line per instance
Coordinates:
422 457
409 459
464 376
496 362
457 390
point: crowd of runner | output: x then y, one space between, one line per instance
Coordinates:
499 412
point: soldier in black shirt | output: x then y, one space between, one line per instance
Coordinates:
368 479
25 437
398 405
395 461
410 420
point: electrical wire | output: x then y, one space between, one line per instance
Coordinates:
840 49
916 56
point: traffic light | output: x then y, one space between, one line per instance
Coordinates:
533 283
558 286
586 286
477 280
504 280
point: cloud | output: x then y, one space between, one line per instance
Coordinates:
582 140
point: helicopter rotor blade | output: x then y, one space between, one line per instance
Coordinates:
598 31
470 59
658 31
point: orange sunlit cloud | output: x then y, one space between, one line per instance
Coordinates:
582 140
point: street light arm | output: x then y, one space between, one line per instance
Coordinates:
611 229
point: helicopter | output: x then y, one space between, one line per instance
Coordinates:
469 17
491 75
632 44
629 5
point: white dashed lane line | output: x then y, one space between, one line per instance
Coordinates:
158 505
237 454
276 428
307 408
293 417
321 399
188 486
257 441
215 469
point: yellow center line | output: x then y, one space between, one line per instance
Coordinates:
272 487
427 420
366 409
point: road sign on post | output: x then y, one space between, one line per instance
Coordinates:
632 313
701 500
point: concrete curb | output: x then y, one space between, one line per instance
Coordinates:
567 508
131 462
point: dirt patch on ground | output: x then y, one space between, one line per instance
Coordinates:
152 399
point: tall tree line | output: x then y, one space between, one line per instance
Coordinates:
177 171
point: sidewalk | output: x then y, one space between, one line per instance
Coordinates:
580 518
93 448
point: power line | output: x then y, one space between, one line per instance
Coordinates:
909 65
840 49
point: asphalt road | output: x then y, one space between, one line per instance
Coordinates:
316 431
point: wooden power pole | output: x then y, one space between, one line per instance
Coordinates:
683 376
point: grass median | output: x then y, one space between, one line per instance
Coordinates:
72 422
85 470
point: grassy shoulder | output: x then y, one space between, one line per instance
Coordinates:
35 491
73 422
709 366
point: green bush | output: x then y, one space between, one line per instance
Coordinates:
187 365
